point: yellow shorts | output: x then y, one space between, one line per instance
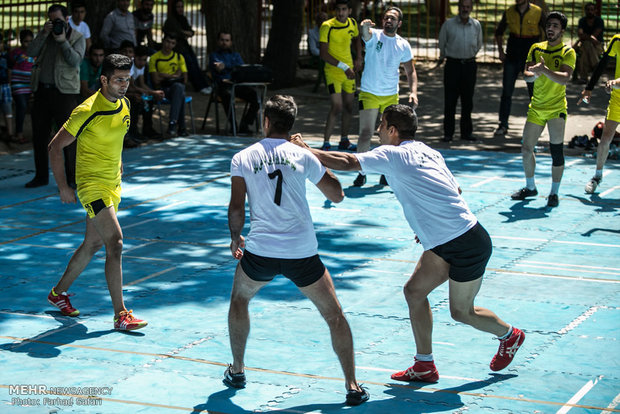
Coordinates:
370 101
613 109
95 198
337 81
540 117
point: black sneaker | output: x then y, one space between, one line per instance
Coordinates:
183 132
383 180
345 144
355 397
553 200
36 182
234 380
359 181
523 193
172 129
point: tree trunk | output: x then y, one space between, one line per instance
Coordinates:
97 10
284 37
240 18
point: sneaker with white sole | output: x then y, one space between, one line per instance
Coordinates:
234 380
423 371
592 184
355 397
127 322
507 350
61 301
501 131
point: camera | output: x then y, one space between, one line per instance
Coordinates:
58 26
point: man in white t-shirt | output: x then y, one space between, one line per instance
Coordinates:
281 240
456 247
385 51
78 13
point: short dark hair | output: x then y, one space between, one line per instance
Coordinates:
56 7
397 10
345 2
24 33
281 111
126 43
114 62
403 118
168 35
225 31
559 16
142 51
97 45
77 3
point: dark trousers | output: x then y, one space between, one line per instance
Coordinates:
21 106
51 107
459 80
246 93
194 73
512 69
175 93
139 107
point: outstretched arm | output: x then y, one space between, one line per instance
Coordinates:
333 159
236 216
330 187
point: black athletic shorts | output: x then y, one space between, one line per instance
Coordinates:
468 254
302 272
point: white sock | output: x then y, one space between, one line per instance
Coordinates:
424 357
507 335
530 183
554 187
598 173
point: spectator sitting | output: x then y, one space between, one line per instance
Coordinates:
177 24
90 71
221 63
6 102
118 25
169 73
589 47
21 70
127 49
144 19
76 21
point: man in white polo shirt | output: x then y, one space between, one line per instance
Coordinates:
273 174
456 247
385 51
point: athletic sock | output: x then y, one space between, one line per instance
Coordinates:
555 187
598 173
507 335
424 357
530 183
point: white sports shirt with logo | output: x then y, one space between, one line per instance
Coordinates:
384 54
280 221
426 189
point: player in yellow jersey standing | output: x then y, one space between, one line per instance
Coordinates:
613 110
99 125
335 38
550 65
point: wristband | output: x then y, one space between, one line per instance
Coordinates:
343 66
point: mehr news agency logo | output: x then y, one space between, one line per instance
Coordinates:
27 395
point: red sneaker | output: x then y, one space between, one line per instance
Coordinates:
127 322
62 302
424 371
507 350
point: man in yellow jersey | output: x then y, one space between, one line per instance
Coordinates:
168 72
613 109
525 24
550 65
335 38
99 125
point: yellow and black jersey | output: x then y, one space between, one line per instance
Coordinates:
550 95
338 37
613 50
99 126
167 64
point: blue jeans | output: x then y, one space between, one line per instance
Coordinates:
512 69
175 93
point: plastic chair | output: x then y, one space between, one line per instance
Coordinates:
165 101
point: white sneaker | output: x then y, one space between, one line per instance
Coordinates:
592 184
206 91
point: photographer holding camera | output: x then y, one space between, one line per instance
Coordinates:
56 84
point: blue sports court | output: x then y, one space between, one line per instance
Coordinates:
554 273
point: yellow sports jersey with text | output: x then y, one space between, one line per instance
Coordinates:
99 127
550 95
338 37
167 64
613 50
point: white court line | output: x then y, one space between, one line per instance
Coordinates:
613 404
573 265
573 162
28 314
138 223
135 282
482 177
133 188
392 371
577 279
604 193
575 399
555 241
483 182
566 268
166 207
335 209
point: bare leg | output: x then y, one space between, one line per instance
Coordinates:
556 136
603 147
531 133
368 118
347 113
81 257
334 113
323 295
430 272
243 290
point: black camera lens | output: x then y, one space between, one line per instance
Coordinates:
58 26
